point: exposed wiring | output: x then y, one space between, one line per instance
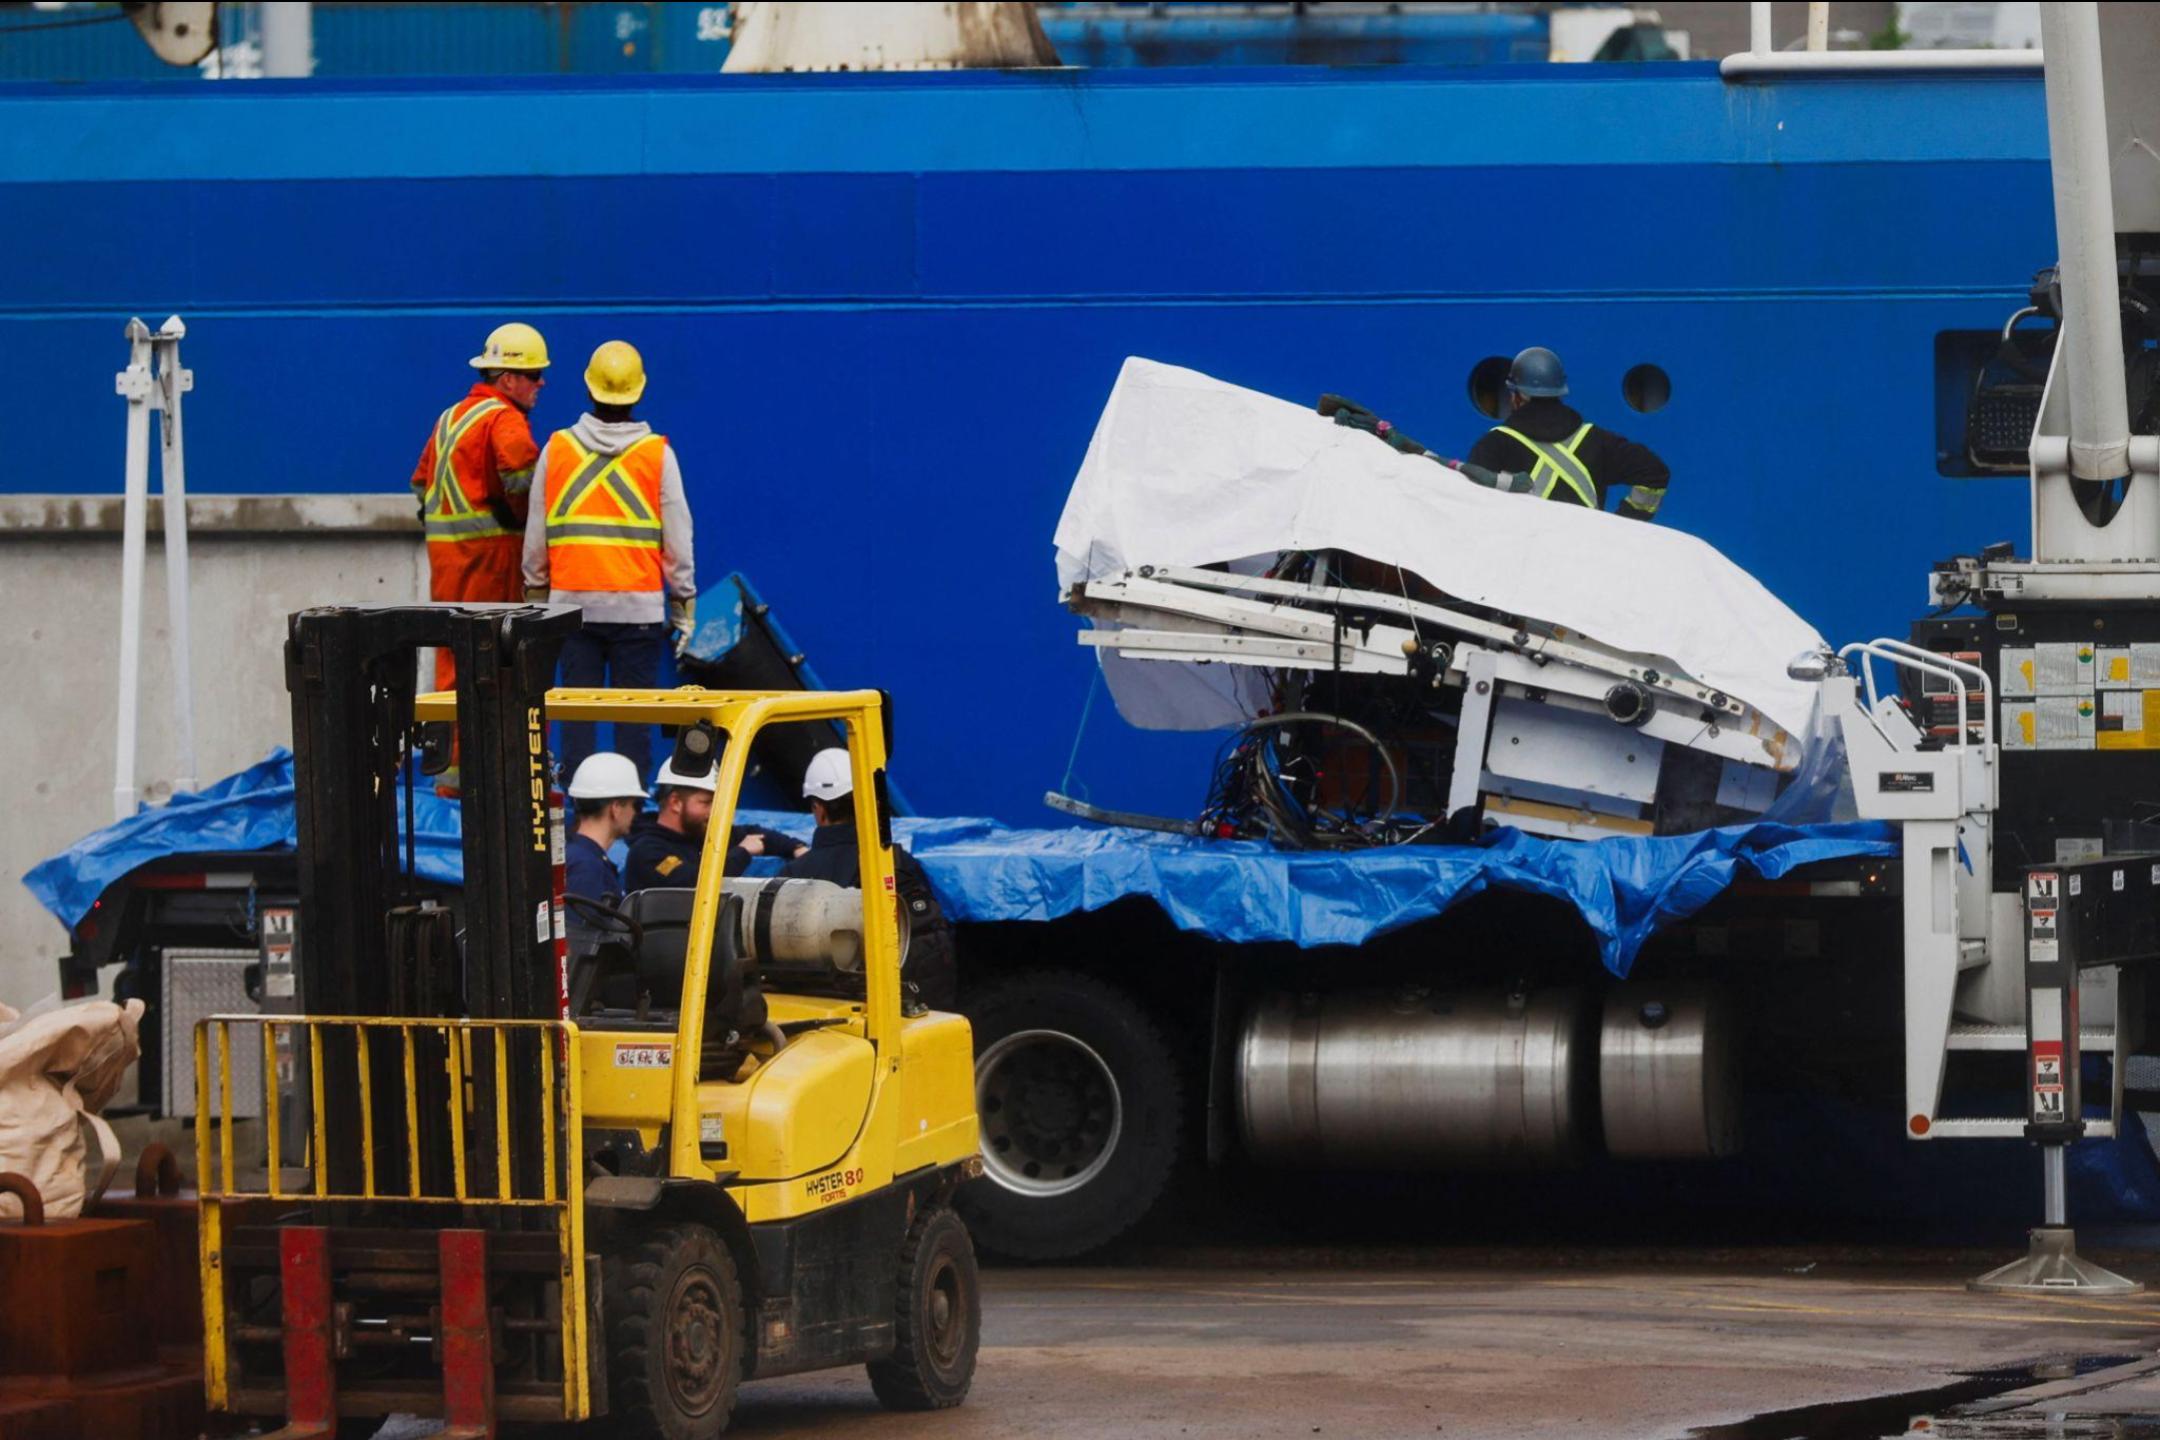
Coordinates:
1254 792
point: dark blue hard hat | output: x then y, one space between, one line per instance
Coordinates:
1537 371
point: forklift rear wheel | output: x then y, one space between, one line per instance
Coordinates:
675 1335
938 1318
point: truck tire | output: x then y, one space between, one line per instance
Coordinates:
674 1314
1080 1105
937 1319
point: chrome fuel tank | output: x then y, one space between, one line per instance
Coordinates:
1668 1074
1413 1080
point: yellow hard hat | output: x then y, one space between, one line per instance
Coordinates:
616 374
512 347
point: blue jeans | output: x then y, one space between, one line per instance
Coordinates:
626 657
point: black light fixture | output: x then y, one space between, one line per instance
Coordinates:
696 747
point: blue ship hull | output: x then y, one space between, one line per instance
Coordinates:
881 312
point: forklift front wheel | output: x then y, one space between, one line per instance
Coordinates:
938 1319
675 1335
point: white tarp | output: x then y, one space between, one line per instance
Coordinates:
1188 470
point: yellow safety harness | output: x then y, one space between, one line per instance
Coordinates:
451 515
1556 464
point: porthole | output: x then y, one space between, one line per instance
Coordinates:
1488 384
1646 388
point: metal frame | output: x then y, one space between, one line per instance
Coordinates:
1762 59
553 1090
351 673
1538 646
154 380
740 715
1944 803
2077 917
1292 637
1170 613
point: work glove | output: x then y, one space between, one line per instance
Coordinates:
682 615
1348 412
536 594
1508 482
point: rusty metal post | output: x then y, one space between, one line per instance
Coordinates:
310 1353
468 1337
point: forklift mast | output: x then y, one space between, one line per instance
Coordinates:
369 948
351 675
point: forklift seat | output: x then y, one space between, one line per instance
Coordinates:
662 913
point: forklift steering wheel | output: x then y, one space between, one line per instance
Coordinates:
606 917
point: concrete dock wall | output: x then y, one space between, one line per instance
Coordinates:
253 560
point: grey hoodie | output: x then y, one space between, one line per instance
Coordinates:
607 607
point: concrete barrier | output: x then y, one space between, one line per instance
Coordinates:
254 559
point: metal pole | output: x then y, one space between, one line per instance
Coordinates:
288 39
1759 27
134 385
1818 24
173 382
2085 241
2054 1194
1744 65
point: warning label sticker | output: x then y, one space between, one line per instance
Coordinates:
636 1055
2048 1096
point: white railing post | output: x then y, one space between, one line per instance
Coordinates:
288 39
153 380
1818 25
172 383
1759 27
135 385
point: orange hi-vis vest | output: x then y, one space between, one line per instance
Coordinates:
456 503
603 515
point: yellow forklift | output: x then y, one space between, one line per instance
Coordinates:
503 1183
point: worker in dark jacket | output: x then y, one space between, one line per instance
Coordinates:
608 796
828 784
665 847
1547 449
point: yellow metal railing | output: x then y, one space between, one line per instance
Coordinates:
491 1083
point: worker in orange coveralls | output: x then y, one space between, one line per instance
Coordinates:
474 479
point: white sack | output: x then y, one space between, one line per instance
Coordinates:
57 1070
1185 470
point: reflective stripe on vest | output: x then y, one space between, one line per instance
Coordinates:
1558 463
603 515
450 513
1645 499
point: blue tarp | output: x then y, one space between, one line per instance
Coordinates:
1240 891
1625 888
251 810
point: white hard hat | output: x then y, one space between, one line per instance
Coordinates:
605 775
829 776
667 776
